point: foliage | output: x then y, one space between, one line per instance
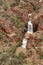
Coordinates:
12 18
41 55
0 25
12 5
16 22
13 49
1 59
31 62
41 21
25 0
5 39
1 2
4 15
40 37
21 56
12 59
35 7
17 2
1 35
5 7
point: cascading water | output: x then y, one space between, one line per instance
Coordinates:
30 31
30 27
24 43
40 0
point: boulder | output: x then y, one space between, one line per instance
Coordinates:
27 35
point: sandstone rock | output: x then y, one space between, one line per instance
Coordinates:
11 35
20 49
29 46
27 35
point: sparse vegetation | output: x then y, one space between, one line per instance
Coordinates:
12 5
0 25
1 2
13 26
25 0
5 7
13 49
41 55
35 8
17 2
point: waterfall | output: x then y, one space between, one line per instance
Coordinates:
40 0
30 27
30 31
24 43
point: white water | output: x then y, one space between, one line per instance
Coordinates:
30 27
40 0
29 14
30 31
24 43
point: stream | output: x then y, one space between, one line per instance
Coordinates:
29 31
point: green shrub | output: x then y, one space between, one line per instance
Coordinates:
13 49
0 25
5 7
1 58
12 5
4 15
41 55
35 7
12 18
1 2
17 2
21 56
1 35
41 21
25 0
5 39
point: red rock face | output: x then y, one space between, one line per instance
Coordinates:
40 27
23 13
24 16
27 6
0 30
8 30
13 39
38 23
15 29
